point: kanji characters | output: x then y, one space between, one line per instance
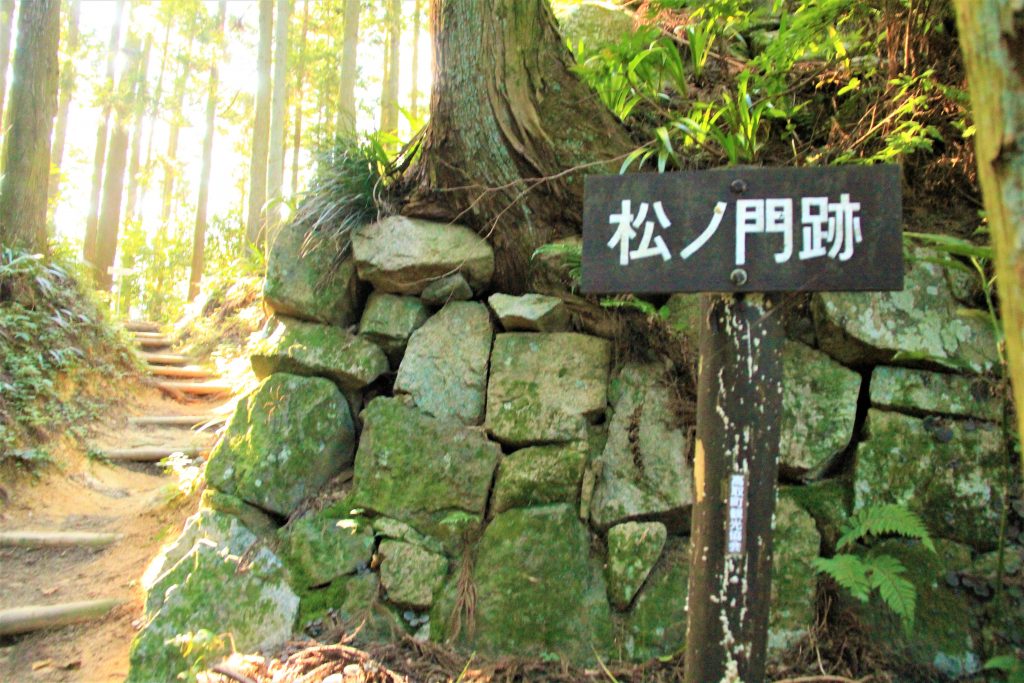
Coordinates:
625 231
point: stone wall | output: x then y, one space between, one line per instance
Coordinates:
492 477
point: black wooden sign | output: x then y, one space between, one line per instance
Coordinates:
744 230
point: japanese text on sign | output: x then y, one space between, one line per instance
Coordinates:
829 229
737 505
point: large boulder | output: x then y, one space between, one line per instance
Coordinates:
596 24
546 386
656 624
445 364
445 290
320 548
539 475
939 393
304 280
923 324
431 473
644 469
402 255
531 312
819 407
948 471
389 320
285 441
410 573
308 349
210 608
538 591
633 550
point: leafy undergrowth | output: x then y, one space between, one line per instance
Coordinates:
60 359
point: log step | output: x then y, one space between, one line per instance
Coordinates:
155 343
150 335
152 453
141 326
56 539
165 358
196 388
187 372
38 617
174 420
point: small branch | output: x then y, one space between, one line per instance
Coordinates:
229 673
825 679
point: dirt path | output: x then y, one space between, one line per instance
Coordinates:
136 501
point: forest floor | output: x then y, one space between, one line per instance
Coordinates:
139 502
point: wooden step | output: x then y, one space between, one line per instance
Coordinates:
165 358
38 617
162 342
174 420
150 335
141 326
196 388
56 539
152 453
187 372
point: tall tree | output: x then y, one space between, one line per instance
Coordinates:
506 124
255 222
177 118
92 219
992 36
27 144
67 87
300 73
158 94
347 86
278 112
389 92
113 174
138 119
199 234
7 9
414 95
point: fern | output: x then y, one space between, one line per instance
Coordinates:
863 574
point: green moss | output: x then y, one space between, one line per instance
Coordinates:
321 548
829 502
539 475
633 549
656 625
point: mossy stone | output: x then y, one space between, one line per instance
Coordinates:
251 516
819 407
321 548
829 502
312 350
303 281
794 579
386 527
644 467
363 609
538 590
284 442
411 574
633 549
947 471
656 625
596 25
389 320
420 469
923 392
530 312
544 387
445 363
539 475
446 290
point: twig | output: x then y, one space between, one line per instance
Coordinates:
825 679
229 673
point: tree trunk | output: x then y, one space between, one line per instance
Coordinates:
91 221
414 95
347 87
138 119
992 38
255 222
506 122
158 94
67 87
278 112
170 172
300 70
389 91
7 10
199 235
113 174
27 144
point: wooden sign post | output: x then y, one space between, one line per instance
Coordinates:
744 234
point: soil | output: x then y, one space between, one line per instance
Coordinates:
136 501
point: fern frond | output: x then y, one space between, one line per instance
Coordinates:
849 571
885 573
883 520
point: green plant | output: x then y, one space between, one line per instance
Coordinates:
1011 666
199 648
869 571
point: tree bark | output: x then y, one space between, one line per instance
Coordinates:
992 38
278 113
113 174
67 87
7 11
92 219
346 120
199 234
389 90
506 112
177 118
300 70
138 119
255 222
27 144
414 95
158 94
